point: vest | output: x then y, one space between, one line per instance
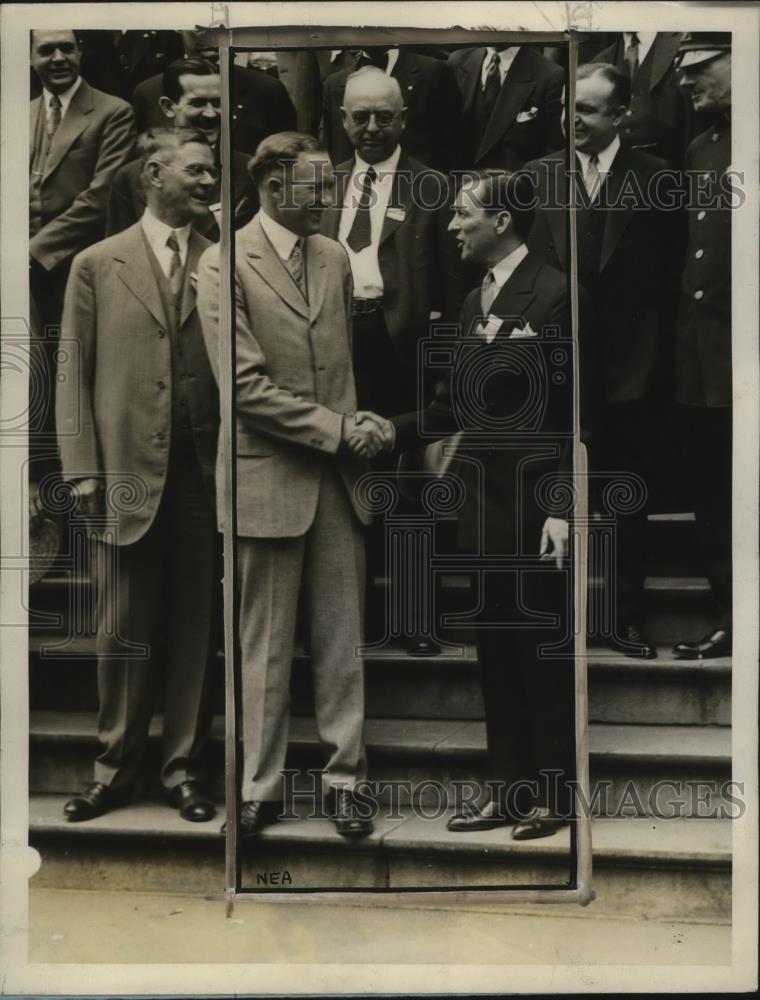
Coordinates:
590 223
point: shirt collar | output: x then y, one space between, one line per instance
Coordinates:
282 239
506 58
387 166
65 97
506 267
157 232
646 40
604 158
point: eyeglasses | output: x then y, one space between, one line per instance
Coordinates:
382 118
195 170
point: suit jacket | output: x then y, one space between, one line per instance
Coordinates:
634 297
419 260
294 379
518 425
126 202
113 400
433 131
117 62
94 139
260 107
525 122
659 118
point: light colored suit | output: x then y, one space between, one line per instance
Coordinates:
298 519
137 405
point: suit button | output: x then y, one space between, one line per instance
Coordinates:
699 254
628 113
161 384
698 294
701 215
160 435
162 333
715 136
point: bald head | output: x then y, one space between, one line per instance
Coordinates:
373 113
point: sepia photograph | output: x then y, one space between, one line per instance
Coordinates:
379 493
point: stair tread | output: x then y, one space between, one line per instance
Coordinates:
678 841
687 744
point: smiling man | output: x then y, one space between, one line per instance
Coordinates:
191 98
137 407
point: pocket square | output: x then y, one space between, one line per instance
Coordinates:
526 331
527 116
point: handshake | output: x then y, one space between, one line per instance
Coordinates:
366 434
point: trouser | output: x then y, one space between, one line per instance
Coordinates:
161 587
708 437
329 561
528 693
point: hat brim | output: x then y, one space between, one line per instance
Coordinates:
695 57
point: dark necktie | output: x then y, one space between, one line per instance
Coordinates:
175 268
492 84
631 55
294 264
592 178
360 235
54 118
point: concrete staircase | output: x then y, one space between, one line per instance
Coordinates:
650 721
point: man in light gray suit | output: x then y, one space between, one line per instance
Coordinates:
137 410
298 520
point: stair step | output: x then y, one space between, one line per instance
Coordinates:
678 869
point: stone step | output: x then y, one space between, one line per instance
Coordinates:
426 758
670 870
663 691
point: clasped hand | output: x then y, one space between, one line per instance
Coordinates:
366 434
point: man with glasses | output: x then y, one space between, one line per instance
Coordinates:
137 409
191 98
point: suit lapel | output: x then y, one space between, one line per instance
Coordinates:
516 295
469 71
74 122
517 87
263 258
408 74
664 50
618 216
555 217
331 216
195 248
36 109
316 273
401 201
136 273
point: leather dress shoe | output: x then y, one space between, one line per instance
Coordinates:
540 822
422 645
347 816
486 817
255 815
716 643
634 642
193 803
96 800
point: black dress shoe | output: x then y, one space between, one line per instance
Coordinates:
347 815
540 822
716 643
421 645
255 815
487 817
193 803
96 800
634 642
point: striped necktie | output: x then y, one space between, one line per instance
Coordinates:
54 118
295 265
631 55
175 268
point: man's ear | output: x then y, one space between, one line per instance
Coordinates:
167 106
344 117
274 185
619 115
152 174
503 222
403 117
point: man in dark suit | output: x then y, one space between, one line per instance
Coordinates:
628 257
512 105
299 523
433 128
658 117
391 214
79 139
191 99
260 104
516 429
703 337
137 409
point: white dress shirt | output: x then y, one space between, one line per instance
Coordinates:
646 40
157 233
502 272
506 58
64 98
365 266
604 160
283 240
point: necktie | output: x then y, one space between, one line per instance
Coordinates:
360 235
487 292
492 84
54 118
175 268
631 55
295 265
592 179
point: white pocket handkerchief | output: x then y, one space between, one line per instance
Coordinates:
397 214
490 328
526 331
527 116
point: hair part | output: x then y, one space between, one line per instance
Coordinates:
506 191
156 140
621 83
278 152
188 66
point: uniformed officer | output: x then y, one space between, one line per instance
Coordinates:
703 340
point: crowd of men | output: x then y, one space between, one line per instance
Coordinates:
378 193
